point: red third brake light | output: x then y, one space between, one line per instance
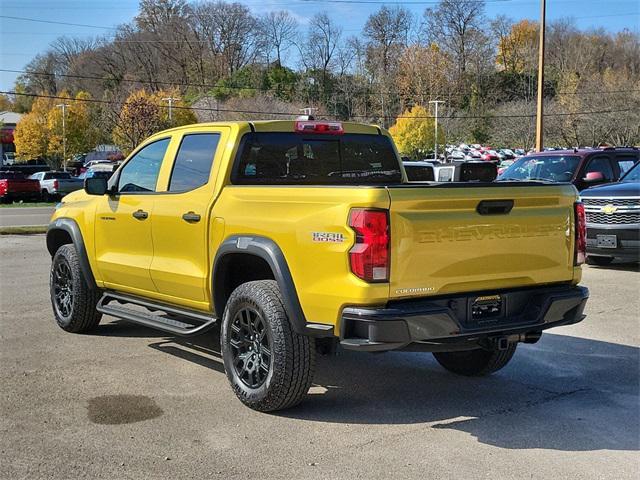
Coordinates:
369 257
331 128
581 234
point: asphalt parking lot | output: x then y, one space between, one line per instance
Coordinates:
128 402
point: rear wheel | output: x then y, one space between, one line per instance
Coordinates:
74 303
597 260
476 363
45 196
270 367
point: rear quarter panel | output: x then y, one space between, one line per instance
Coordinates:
290 215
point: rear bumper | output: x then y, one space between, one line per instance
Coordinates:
628 241
447 323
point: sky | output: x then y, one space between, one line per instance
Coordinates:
21 40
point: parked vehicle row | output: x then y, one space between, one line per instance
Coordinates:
47 186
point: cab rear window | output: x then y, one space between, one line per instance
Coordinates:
267 158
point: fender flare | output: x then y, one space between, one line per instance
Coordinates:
270 252
71 227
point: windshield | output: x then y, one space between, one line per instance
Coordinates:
632 175
553 168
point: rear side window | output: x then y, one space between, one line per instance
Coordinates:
315 159
193 161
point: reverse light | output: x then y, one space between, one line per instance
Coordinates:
581 234
369 256
331 128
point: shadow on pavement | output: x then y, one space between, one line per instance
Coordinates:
622 267
563 393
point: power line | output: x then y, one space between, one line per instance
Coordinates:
37 20
262 89
258 112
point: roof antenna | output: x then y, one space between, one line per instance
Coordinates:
307 114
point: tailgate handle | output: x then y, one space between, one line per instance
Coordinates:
494 207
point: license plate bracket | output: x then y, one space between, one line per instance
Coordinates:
606 241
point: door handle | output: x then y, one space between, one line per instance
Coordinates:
191 217
140 215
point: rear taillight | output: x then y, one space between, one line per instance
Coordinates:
3 187
55 184
581 234
332 128
369 256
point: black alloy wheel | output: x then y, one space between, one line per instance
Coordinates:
251 347
62 282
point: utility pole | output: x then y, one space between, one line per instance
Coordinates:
435 138
170 100
64 106
539 109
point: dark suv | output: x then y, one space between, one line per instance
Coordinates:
613 219
582 167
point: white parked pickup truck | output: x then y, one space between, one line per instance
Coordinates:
55 185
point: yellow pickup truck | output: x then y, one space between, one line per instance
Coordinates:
297 236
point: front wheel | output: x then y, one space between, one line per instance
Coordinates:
476 363
74 303
270 367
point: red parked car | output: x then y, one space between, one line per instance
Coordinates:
490 156
15 186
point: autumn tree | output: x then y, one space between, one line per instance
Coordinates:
144 114
422 73
414 133
181 114
517 47
31 135
82 134
138 119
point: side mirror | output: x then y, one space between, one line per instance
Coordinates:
95 186
594 177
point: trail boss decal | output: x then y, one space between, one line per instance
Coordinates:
327 237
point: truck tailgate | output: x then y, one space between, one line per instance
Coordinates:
441 244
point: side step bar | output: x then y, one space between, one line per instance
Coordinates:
176 321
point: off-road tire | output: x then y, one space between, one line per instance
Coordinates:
82 315
476 363
292 359
600 261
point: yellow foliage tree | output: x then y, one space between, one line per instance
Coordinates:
180 114
144 114
138 119
32 133
81 133
413 133
517 50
